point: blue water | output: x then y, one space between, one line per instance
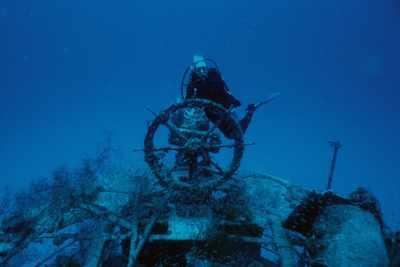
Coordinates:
73 71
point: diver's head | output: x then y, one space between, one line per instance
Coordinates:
199 66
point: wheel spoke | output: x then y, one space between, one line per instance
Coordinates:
213 128
217 147
174 130
161 149
172 170
220 171
227 146
168 148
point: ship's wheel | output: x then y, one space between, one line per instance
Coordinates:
194 168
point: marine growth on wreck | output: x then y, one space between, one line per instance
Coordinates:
188 209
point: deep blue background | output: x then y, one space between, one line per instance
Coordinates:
71 71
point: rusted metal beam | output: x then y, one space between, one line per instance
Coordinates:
336 146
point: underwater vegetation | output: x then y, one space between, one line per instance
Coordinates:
102 214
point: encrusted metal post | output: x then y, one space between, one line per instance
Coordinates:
336 146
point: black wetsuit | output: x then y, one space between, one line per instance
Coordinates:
214 88
211 87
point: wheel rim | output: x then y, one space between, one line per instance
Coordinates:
164 174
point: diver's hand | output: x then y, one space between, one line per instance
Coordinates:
251 108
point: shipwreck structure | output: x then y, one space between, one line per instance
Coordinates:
191 210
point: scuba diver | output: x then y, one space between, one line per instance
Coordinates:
206 82
202 80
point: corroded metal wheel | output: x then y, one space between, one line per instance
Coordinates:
195 145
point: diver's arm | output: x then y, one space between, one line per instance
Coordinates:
233 100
